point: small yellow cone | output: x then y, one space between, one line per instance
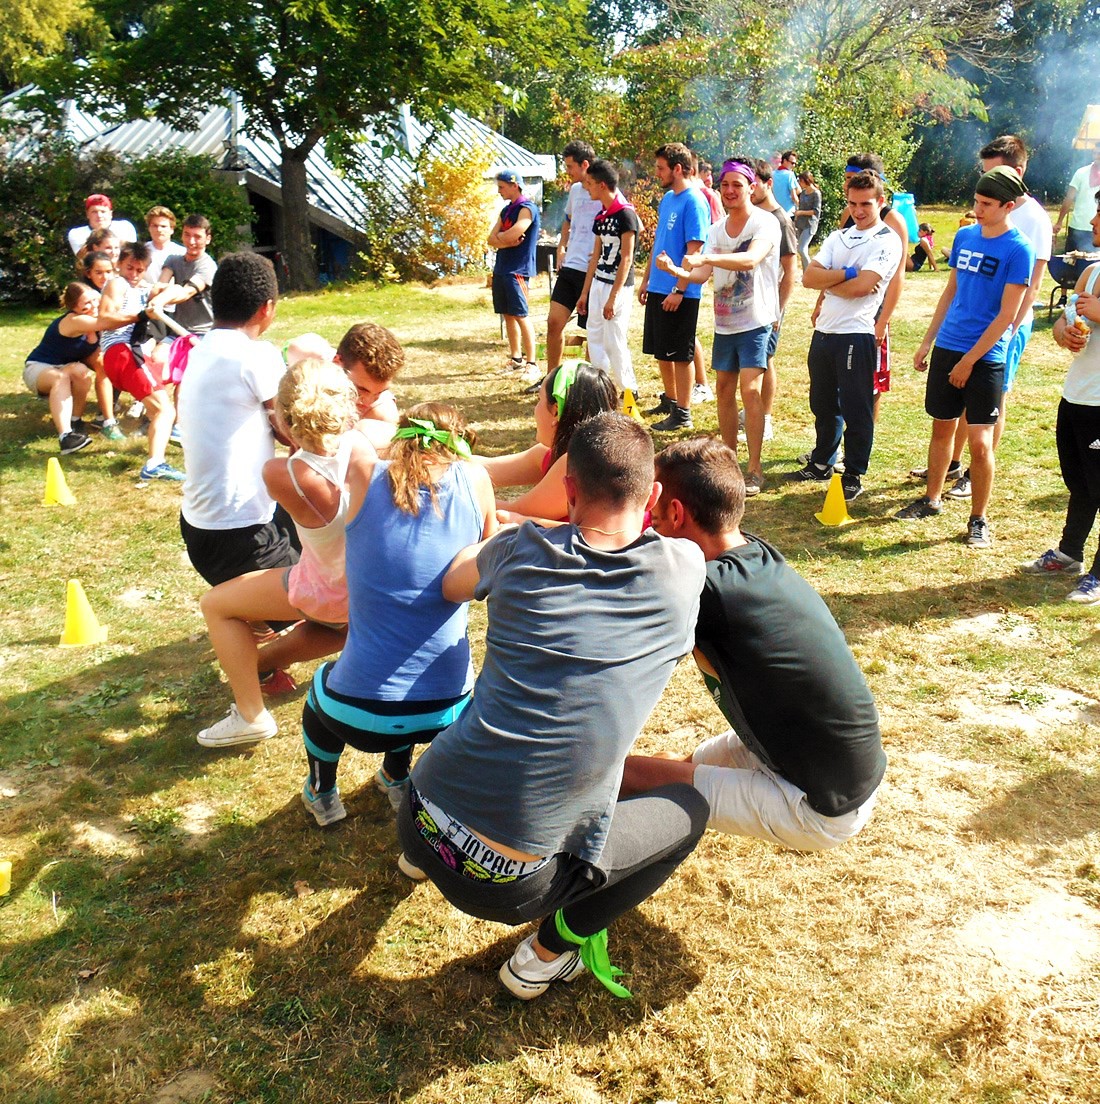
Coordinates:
630 406
5 877
81 624
57 490
835 510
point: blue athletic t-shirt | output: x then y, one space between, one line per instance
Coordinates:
518 259
983 266
680 219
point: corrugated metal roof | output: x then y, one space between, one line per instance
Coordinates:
330 193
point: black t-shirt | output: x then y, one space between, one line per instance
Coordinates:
609 230
789 684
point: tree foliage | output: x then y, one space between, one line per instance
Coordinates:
32 28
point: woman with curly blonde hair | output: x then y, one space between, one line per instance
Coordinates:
315 411
405 673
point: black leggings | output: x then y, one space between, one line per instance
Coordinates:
1078 437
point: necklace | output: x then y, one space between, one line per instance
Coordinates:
605 532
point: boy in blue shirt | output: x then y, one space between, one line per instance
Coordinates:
991 265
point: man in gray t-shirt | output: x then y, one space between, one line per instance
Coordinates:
185 279
513 810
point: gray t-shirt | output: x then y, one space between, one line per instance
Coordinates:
579 647
195 314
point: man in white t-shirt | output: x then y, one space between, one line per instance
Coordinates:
853 268
1078 205
574 252
100 214
741 253
225 399
161 223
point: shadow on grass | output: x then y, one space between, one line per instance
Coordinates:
1056 807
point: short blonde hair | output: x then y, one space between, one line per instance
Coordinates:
316 402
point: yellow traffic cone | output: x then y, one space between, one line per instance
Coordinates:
5 877
57 490
835 510
630 406
81 624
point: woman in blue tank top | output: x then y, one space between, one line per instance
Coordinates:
405 673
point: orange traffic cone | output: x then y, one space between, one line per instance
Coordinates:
57 490
835 510
81 624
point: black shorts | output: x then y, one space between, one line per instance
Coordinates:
670 335
222 554
981 397
510 294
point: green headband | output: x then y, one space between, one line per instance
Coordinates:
428 432
566 377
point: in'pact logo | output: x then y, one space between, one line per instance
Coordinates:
972 261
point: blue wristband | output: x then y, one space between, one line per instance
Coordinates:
850 272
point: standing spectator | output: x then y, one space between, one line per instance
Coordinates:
706 186
1078 432
161 223
742 256
672 305
808 216
991 266
852 270
514 236
785 183
100 215
1078 205
574 251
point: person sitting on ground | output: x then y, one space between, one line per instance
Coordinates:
100 215
802 761
129 358
1077 433
58 368
513 811
371 356
315 411
925 252
405 673
228 519
571 393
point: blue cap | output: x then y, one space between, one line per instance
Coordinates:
510 176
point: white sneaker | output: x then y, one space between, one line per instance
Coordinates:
526 976
532 373
326 808
394 791
234 729
702 393
413 873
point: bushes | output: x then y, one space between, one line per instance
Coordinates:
43 196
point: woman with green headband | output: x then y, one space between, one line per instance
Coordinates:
405 673
567 396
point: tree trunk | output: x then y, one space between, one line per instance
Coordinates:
301 264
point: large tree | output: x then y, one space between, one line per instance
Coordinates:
306 71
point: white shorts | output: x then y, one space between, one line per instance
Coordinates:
747 798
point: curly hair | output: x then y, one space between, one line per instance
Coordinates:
375 348
412 458
243 283
316 402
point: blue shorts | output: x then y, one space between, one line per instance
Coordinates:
733 352
1015 353
510 294
773 339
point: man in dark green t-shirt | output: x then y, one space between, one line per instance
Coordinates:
803 759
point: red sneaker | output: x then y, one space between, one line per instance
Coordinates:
278 682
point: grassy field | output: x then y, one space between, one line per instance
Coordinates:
178 930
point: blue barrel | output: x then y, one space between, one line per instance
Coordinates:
905 206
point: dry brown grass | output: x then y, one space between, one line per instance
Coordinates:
231 952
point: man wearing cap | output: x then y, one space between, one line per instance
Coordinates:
514 236
742 254
852 270
991 267
100 217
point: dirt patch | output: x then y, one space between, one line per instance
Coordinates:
186 1087
196 817
1030 709
1007 625
106 838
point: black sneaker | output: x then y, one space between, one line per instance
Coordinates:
978 534
924 507
664 406
852 486
679 418
74 442
812 471
80 426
